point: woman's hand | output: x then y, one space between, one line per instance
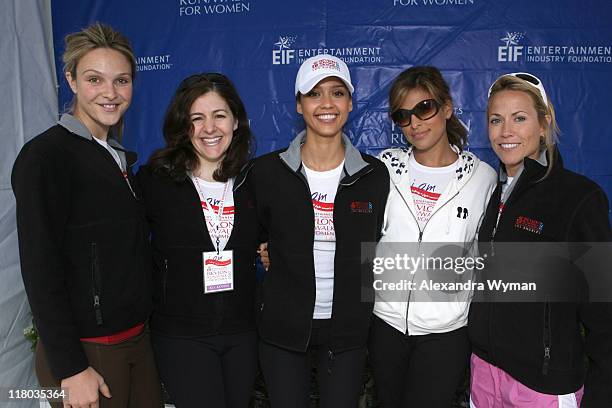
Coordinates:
263 254
83 389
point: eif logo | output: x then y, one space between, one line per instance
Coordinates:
511 51
284 55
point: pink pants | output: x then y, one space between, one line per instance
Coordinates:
492 387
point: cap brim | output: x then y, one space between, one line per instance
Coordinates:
307 86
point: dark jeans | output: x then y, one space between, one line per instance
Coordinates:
417 371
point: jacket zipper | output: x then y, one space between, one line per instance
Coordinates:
165 280
492 303
547 337
247 168
340 186
420 238
95 286
500 210
299 175
123 173
127 180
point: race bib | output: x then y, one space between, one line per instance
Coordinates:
218 271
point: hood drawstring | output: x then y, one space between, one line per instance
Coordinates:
449 211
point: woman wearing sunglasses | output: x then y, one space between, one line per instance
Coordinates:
318 200
533 354
418 345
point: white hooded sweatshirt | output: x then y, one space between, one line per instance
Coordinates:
417 308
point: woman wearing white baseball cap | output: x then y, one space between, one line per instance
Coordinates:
318 200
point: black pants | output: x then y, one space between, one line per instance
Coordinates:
417 371
213 371
287 373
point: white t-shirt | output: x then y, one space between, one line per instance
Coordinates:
427 185
211 195
507 184
323 186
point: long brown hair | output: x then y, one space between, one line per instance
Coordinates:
430 80
178 157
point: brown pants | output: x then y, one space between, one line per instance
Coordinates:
128 369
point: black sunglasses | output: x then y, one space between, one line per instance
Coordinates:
423 110
527 77
530 79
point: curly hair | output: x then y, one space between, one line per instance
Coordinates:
178 158
430 80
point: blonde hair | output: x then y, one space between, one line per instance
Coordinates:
97 35
550 137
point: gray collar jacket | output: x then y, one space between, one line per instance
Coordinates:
286 214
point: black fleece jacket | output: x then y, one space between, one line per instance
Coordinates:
540 343
285 210
85 259
179 236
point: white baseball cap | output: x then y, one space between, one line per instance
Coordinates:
319 67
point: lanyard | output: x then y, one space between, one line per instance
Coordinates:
499 213
215 219
127 180
117 160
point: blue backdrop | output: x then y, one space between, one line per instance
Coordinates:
260 44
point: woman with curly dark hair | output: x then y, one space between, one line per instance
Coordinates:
204 239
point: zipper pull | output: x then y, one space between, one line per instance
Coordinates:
546 360
98 310
420 236
500 210
165 280
330 361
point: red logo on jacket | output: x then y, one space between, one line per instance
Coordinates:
361 207
529 224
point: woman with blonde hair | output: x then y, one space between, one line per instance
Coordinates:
532 354
85 258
